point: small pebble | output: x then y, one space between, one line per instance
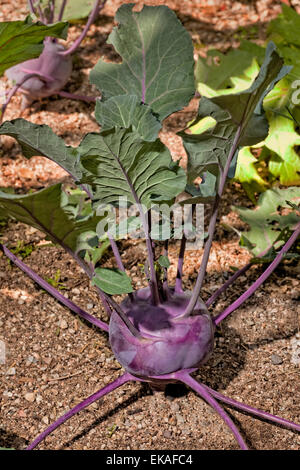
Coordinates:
30 396
276 360
45 420
75 291
31 359
39 398
63 324
11 371
180 418
175 407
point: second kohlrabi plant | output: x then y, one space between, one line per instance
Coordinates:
161 333
48 74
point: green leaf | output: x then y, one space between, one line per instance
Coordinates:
112 281
124 111
231 73
285 160
291 56
41 140
119 164
164 262
157 60
74 9
209 150
23 40
279 97
247 174
48 211
205 193
254 50
267 222
248 104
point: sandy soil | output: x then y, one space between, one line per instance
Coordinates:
54 360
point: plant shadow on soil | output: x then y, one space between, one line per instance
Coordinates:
223 366
11 440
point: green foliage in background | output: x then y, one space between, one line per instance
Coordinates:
275 159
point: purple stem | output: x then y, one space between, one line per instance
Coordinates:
62 9
261 278
13 90
203 392
52 7
165 278
72 96
89 270
81 406
178 282
31 7
254 411
153 279
116 307
116 253
41 14
233 278
228 283
92 17
211 228
51 290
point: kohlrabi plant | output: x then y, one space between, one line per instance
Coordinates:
48 74
161 333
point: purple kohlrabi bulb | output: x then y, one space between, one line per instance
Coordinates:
171 343
53 68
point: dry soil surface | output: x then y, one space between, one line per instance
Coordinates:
54 360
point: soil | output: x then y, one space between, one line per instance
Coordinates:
54 360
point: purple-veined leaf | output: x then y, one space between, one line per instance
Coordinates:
157 60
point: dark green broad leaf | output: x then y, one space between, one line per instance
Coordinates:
49 211
41 140
119 164
270 220
112 281
157 60
23 40
124 111
239 119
